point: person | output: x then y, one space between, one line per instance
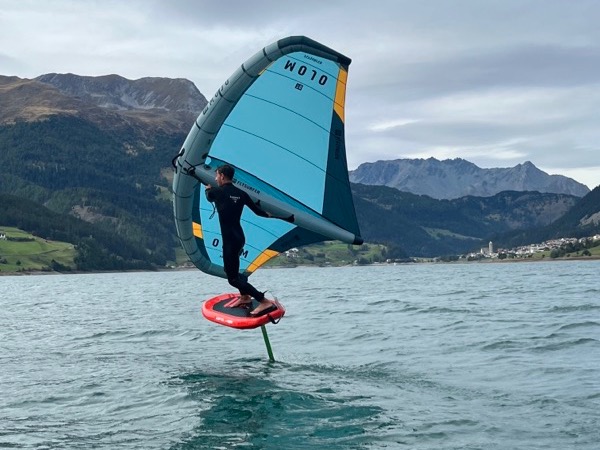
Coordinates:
229 201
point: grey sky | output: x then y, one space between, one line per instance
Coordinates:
495 82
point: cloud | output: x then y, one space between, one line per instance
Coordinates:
497 83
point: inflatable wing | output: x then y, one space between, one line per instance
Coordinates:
279 121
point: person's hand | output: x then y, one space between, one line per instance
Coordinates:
207 186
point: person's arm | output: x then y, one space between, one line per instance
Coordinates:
210 195
254 207
260 212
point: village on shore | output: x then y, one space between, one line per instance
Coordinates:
554 248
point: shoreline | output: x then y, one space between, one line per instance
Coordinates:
181 269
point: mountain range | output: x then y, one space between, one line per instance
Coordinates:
455 178
90 158
148 105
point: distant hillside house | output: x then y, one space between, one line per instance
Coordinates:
292 253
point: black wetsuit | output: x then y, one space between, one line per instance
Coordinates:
230 201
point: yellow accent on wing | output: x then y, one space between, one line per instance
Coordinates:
261 259
340 94
197 230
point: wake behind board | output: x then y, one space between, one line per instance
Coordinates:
215 310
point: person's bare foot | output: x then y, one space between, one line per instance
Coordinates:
264 306
242 300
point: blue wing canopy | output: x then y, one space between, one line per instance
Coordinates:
279 120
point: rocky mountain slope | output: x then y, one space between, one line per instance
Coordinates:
457 178
111 101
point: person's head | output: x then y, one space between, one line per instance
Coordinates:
224 174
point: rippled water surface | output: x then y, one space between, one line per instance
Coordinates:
474 356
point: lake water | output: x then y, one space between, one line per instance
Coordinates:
465 356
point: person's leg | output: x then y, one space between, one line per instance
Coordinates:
240 282
231 264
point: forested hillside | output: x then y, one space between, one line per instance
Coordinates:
424 226
77 170
97 248
582 220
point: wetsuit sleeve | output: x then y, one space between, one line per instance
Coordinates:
210 195
254 207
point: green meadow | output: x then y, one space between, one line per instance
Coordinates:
22 252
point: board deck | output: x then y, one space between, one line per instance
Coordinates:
215 310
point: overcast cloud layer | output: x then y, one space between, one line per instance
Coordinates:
495 82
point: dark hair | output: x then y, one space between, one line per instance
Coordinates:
227 171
